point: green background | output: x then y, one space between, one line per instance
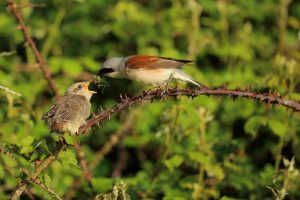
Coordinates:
178 148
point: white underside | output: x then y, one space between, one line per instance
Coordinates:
158 77
73 127
155 77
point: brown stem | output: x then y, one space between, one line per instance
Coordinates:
39 169
83 162
42 64
269 98
121 163
99 155
45 187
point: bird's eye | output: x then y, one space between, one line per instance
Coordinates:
79 86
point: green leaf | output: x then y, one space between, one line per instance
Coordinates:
47 179
27 141
20 174
278 127
90 63
227 198
70 139
71 66
102 184
254 123
216 171
26 149
68 158
199 157
173 162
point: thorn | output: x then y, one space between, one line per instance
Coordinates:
144 93
223 86
234 97
218 98
126 97
176 87
249 88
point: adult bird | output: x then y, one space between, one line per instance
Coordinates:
148 70
69 112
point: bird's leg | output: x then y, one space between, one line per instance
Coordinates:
166 90
169 81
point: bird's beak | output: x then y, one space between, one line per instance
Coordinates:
104 71
101 73
86 87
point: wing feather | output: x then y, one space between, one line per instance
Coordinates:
153 62
66 109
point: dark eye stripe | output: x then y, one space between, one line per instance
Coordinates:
105 71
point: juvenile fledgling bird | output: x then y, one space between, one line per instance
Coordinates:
70 111
148 70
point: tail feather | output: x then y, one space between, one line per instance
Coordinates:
180 75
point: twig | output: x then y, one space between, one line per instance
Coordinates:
99 155
83 162
45 187
42 64
113 140
7 153
39 169
29 194
121 163
269 98
7 53
9 91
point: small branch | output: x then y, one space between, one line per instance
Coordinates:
7 53
42 64
7 153
10 91
42 185
83 162
99 155
269 98
39 169
113 140
121 163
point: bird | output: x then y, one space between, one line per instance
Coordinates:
148 70
70 111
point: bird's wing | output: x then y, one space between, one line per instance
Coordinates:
153 62
66 108
70 108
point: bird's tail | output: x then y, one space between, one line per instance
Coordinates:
180 75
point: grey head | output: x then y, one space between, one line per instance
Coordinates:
80 88
114 68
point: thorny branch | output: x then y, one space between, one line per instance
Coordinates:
150 95
83 162
100 154
42 64
7 90
39 169
49 190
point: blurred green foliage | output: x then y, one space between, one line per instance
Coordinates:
178 148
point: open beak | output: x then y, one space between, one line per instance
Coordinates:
86 87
